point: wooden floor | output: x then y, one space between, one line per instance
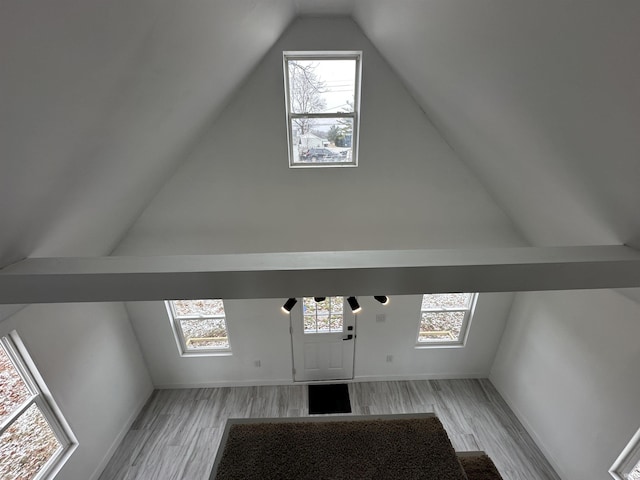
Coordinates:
176 436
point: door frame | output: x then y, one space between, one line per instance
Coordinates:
345 312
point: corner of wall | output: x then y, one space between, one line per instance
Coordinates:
120 437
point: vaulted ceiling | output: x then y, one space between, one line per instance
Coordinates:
101 102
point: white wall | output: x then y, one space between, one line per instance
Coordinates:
260 331
88 356
568 367
235 192
396 336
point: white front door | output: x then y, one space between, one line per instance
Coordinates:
323 337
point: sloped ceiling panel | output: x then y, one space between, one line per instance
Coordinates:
235 193
541 99
324 7
99 100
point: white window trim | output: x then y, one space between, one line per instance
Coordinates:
179 336
21 359
628 459
355 115
464 329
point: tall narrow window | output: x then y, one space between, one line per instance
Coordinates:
34 441
444 318
200 326
322 94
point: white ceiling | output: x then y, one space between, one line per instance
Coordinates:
324 7
101 101
541 99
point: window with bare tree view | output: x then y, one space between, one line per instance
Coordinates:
322 91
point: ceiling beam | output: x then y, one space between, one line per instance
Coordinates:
274 275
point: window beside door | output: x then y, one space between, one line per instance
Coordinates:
444 319
199 326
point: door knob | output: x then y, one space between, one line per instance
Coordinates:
349 337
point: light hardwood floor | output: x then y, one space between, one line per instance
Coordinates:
176 436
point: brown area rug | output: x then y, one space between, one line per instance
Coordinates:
479 467
407 449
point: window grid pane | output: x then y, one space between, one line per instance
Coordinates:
201 324
635 473
323 317
198 308
13 390
204 333
27 445
440 326
438 301
312 148
322 86
310 325
444 318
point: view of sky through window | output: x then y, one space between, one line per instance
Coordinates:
331 84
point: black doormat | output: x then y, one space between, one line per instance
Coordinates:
329 398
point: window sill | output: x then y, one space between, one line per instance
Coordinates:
207 353
422 346
321 165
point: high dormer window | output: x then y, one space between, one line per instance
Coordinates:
322 94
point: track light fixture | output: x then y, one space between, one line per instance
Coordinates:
288 305
353 303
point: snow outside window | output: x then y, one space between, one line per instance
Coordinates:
35 441
444 318
200 326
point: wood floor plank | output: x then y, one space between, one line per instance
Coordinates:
176 436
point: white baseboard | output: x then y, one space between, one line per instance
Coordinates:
288 381
530 430
424 376
226 383
118 440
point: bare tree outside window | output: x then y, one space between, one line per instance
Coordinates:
322 91
305 89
